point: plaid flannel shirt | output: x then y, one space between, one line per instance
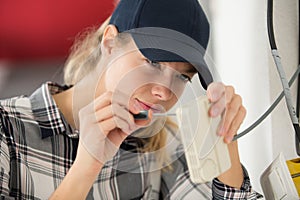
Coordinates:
37 148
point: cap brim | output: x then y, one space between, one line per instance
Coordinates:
164 45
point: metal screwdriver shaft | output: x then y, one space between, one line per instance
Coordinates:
143 114
163 114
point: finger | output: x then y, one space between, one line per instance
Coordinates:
117 137
101 115
117 98
215 91
231 111
113 123
109 111
115 110
235 125
229 93
218 106
91 117
87 117
102 101
124 114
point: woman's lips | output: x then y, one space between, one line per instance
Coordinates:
144 105
147 106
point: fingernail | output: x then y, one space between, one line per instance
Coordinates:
214 96
228 139
136 106
221 131
214 112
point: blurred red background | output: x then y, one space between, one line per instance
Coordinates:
44 29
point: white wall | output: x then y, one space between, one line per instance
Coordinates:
242 57
286 26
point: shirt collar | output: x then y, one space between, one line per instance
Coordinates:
46 112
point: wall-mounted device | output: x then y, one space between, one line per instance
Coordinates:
206 153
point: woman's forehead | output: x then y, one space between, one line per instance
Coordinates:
131 48
185 66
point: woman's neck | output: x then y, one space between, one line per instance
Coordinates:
64 102
72 100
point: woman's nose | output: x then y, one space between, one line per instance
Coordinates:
161 92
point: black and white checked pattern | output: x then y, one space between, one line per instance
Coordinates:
37 148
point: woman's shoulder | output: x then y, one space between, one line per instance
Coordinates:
12 109
14 105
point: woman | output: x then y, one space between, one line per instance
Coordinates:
81 141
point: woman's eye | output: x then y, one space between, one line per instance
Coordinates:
184 78
154 64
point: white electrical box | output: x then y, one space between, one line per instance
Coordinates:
276 181
206 153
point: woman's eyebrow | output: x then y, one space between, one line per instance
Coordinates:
191 70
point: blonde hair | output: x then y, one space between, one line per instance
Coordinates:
84 56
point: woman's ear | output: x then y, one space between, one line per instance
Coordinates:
108 39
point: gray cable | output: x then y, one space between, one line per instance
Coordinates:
285 86
271 108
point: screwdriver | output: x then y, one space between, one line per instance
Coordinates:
143 115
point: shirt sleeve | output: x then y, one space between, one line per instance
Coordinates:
222 191
181 187
4 163
176 184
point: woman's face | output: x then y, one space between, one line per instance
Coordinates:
156 86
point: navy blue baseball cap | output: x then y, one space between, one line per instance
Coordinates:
167 31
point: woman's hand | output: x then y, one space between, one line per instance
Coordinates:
105 123
229 104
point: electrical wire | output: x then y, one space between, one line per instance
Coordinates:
270 109
277 60
286 86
